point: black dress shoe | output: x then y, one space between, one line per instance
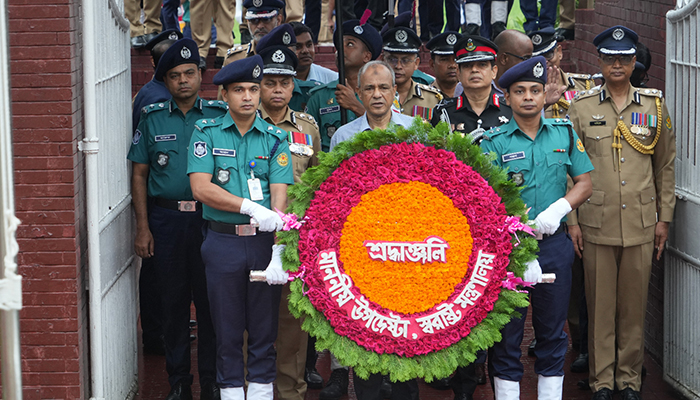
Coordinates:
584 384
580 364
337 385
630 394
180 391
567 34
210 391
203 64
150 36
471 30
313 379
440 384
531 348
385 388
138 42
218 62
480 373
497 28
603 394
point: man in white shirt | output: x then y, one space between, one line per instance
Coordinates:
306 52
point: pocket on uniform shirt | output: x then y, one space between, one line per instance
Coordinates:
163 153
648 200
557 166
598 140
590 213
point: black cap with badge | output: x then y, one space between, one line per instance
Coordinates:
168 34
184 51
532 70
444 43
475 48
282 35
278 60
262 8
617 40
543 41
249 69
401 40
363 31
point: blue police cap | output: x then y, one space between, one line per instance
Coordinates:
282 35
262 8
365 32
472 48
249 69
444 43
617 40
543 40
405 19
184 51
532 70
278 60
168 34
401 40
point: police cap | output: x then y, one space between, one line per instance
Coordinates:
282 35
617 40
474 48
184 51
444 43
543 41
249 69
532 70
279 60
262 8
401 40
168 34
365 32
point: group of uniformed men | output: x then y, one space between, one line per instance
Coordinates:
209 177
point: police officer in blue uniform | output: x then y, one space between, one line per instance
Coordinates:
172 229
239 168
539 153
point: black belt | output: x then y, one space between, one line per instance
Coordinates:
233 229
559 230
178 205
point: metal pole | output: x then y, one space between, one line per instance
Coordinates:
10 282
341 54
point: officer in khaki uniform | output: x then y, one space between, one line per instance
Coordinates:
629 137
202 13
545 42
279 65
401 47
262 16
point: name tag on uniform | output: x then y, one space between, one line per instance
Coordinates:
166 138
255 189
513 156
597 123
224 152
328 110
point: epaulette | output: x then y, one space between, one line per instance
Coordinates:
493 132
317 87
236 49
154 107
431 90
582 94
651 92
305 117
216 104
559 121
275 131
205 123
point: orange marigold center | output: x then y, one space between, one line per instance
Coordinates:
405 212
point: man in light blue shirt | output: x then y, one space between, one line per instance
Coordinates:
376 86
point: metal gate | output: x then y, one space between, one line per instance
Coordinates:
112 270
682 271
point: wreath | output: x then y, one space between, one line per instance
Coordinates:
409 251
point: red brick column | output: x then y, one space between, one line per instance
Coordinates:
45 54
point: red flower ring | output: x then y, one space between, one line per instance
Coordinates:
367 323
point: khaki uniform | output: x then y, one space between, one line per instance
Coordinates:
151 10
574 83
294 10
222 12
630 189
291 340
239 52
421 100
567 14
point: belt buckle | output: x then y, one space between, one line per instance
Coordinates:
245 230
187 206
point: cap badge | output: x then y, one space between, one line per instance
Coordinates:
256 72
401 36
451 39
358 29
185 53
172 36
257 3
618 34
286 39
537 40
538 70
470 45
278 57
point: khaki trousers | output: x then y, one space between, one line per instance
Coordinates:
291 353
294 10
567 14
222 12
151 9
617 282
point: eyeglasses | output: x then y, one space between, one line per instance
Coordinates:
256 21
610 60
548 55
522 58
394 61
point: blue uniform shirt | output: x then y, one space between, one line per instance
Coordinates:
539 165
152 92
161 141
218 148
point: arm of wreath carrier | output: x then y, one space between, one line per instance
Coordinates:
549 220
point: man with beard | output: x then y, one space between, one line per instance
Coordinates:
442 61
262 16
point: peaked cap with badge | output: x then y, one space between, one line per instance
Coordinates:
444 43
282 35
279 60
184 51
401 40
543 41
617 40
262 8
532 70
363 31
474 48
168 34
249 69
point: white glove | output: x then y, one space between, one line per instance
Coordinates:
549 220
533 273
274 274
268 220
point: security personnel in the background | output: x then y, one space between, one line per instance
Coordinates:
442 61
401 47
361 44
239 167
304 143
539 153
202 14
545 44
172 230
629 136
406 20
479 108
262 16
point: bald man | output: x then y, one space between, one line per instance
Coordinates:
513 47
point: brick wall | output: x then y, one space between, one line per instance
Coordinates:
648 19
45 56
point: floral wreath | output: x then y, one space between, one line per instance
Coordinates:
391 222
